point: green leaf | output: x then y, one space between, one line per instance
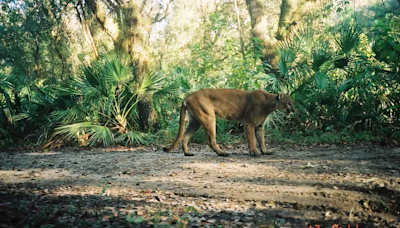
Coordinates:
321 81
151 83
349 38
346 85
91 76
132 138
98 134
287 57
67 116
101 134
117 69
131 219
321 57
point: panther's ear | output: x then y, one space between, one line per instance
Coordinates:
278 98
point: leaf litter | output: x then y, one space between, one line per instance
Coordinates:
141 187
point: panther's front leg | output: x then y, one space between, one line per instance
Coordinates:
251 138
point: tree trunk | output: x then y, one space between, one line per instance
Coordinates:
288 18
239 30
292 12
99 11
284 19
85 27
258 16
130 40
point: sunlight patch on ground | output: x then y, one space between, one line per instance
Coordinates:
31 175
43 153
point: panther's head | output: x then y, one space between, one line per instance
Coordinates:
285 103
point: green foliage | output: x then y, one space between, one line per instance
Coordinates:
348 39
106 94
386 40
317 137
337 85
131 219
340 66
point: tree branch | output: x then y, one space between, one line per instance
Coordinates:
100 15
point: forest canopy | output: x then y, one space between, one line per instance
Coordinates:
114 72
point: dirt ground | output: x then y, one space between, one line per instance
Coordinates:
318 186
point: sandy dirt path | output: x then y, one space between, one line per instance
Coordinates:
324 185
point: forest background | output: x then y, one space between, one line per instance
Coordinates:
114 72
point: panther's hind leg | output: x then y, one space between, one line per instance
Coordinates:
191 129
210 128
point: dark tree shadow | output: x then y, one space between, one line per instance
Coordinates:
23 208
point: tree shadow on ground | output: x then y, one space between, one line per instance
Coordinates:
85 165
26 206
380 199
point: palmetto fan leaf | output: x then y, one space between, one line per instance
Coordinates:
77 86
301 40
304 39
97 133
275 120
287 57
151 83
68 115
272 80
287 44
321 80
117 69
321 57
349 38
172 89
132 138
4 84
72 130
101 134
96 80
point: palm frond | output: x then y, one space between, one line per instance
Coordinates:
301 79
287 44
20 116
172 89
97 133
72 130
275 120
321 80
303 39
321 57
67 116
8 114
117 69
4 84
287 57
101 135
271 80
132 138
349 38
77 86
151 83
96 80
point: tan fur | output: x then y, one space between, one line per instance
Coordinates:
248 107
